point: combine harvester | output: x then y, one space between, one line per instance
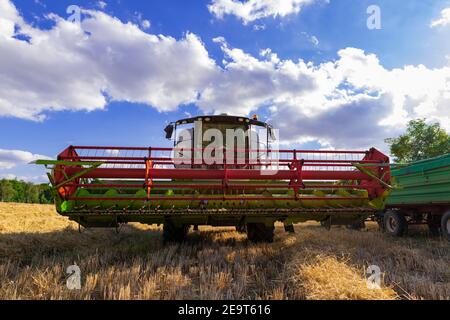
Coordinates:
249 185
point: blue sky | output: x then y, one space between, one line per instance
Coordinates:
353 88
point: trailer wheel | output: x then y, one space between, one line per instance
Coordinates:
172 233
445 225
395 223
259 232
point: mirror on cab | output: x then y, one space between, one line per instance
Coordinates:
169 131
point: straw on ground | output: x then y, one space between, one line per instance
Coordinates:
37 245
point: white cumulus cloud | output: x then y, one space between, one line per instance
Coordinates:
251 10
83 67
12 158
351 102
145 24
102 4
443 20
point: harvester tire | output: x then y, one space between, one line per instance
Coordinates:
259 232
173 233
445 225
395 223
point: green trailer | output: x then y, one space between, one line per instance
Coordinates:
421 196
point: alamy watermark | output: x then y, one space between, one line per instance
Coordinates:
73 280
374 277
253 147
74 12
374 19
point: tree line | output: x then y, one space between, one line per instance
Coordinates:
24 192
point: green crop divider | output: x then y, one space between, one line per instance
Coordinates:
92 165
372 175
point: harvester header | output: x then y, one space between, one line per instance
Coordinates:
221 170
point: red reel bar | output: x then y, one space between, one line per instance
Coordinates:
217 186
214 174
130 163
219 198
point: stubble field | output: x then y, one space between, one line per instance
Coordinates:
37 245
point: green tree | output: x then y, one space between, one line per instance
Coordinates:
45 194
7 191
19 187
421 141
31 193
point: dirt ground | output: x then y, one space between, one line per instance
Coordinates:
37 245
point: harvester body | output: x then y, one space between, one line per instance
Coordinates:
240 180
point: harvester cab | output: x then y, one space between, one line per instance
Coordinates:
221 171
238 139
